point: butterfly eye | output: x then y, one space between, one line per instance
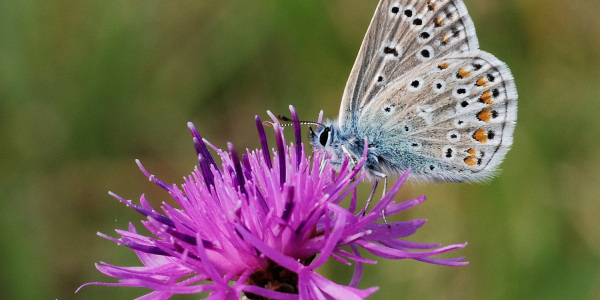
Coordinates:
324 136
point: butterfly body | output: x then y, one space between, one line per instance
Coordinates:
424 97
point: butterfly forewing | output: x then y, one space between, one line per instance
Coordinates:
403 35
450 119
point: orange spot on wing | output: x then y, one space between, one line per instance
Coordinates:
439 22
463 73
444 66
472 151
481 82
486 97
430 5
445 39
480 135
485 115
471 161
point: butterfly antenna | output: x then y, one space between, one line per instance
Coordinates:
290 122
286 119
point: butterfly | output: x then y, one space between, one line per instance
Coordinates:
424 97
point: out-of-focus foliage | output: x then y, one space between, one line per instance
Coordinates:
88 86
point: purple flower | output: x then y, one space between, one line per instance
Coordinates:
261 224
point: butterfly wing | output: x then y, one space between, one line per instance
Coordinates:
403 34
457 126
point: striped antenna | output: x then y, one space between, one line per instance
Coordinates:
290 122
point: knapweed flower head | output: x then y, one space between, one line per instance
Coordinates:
258 226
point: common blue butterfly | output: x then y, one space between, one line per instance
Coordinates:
424 97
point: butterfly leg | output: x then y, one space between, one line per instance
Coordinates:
380 175
322 165
384 185
385 179
370 197
352 158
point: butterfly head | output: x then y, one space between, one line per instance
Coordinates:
322 137
328 138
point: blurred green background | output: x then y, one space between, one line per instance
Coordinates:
88 86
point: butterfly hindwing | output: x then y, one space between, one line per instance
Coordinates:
457 126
